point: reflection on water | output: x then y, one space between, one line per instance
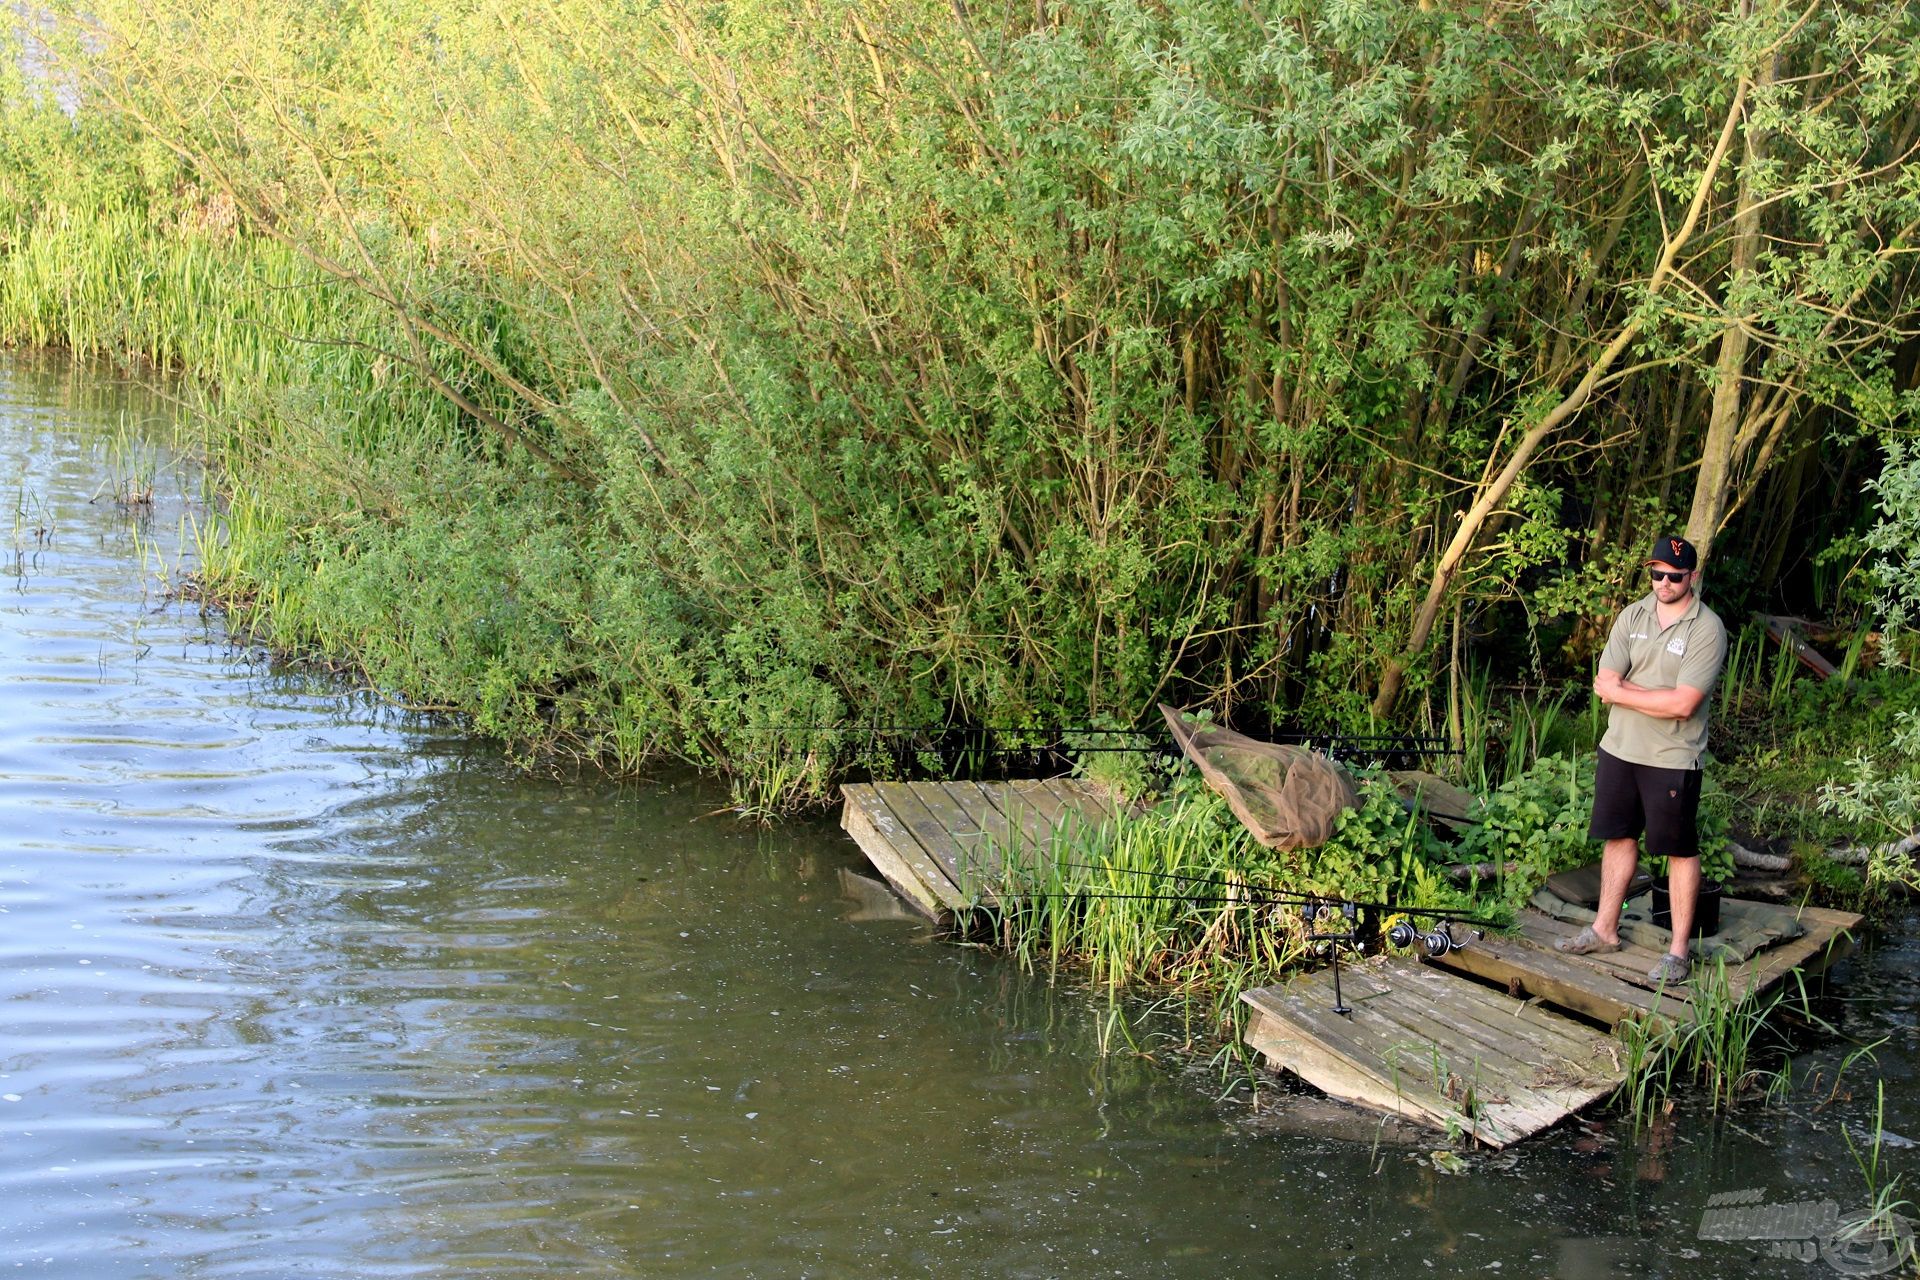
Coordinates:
292 984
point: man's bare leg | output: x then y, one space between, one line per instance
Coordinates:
1618 861
1683 894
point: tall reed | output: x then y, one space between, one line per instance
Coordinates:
1170 899
1713 1045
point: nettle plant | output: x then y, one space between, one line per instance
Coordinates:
1534 824
1381 851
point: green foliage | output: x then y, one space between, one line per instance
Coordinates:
1881 801
1380 852
1831 881
1713 827
982 364
1534 825
1895 539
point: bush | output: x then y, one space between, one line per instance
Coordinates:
1535 824
1881 801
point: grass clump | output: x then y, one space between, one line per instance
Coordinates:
1179 898
1716 1046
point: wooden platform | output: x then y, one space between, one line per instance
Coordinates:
1466 1044
940 843
1431 1041
1428 1046
1612 987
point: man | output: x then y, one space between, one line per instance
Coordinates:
1656 676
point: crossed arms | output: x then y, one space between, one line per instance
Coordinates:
1676 703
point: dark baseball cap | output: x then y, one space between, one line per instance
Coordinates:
1677 552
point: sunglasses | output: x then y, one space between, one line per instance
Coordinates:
1661 575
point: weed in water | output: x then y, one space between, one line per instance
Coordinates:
1713 1045
1884 1229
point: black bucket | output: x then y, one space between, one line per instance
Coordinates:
1706 911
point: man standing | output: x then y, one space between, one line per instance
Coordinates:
1656 676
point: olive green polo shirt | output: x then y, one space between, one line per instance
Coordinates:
1690 652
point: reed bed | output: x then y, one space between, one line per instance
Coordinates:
1169 901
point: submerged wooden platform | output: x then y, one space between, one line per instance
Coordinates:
1427 1046
940 844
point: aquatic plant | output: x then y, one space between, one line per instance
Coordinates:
1712 1045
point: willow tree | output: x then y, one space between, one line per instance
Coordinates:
992 363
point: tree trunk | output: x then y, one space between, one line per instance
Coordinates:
1713 482
1494 491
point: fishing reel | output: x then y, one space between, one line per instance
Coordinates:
1436 942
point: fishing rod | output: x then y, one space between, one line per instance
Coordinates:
1436 942
1292 897
1316 910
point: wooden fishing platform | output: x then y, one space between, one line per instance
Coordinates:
1497 1041
1431 1047
1466 1044
939 844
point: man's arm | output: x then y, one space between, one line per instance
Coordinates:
1676 703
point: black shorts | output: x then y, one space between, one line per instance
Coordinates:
1631 798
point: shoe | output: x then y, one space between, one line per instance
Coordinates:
1585 943
1671 971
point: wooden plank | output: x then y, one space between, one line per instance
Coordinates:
1335 1064
1524 1068
1838 921
1813 952
1746 977
1287 1049
1628 965
1046 801
922 834
1418 1067
1522 1020
1568 981
1366 1056
878 835
1560 1066
1786 634
1036 832
980 859
957 833
1094 798
1546 1065
1084 806
1483 1066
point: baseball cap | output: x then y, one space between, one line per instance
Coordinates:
1677 552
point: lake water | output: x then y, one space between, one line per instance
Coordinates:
295 984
